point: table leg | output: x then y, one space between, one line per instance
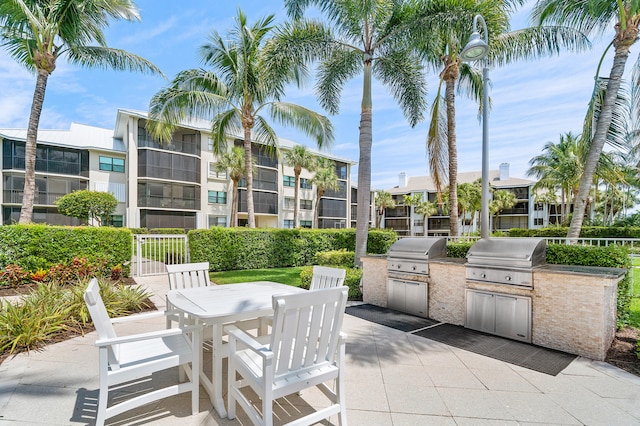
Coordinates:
216 371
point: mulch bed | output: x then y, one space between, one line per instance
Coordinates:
622 353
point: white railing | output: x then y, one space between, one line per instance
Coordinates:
151 252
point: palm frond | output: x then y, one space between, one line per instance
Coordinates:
264 134
576 14
438 142
310 122
110 58
333 73
225 123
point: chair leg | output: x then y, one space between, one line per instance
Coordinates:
103 396
340 396
196 366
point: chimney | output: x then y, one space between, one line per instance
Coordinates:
504 171
403 180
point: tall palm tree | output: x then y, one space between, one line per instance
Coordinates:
234 94
383 201
502 200
367 37
325 178
426 209
299 158
409 201
469 198
38 33
594 17
233 163
506 47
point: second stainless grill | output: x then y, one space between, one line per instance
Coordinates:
505 260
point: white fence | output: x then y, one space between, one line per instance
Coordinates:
151 252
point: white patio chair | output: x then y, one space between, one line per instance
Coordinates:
325 277
127 358
185 275
306 349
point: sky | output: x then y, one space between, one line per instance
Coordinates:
532 102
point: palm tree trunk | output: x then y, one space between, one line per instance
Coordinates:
599 137
364 166
453 157
316 211
234 205
296 201
26 212
249 176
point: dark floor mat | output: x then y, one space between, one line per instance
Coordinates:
536 358
389 317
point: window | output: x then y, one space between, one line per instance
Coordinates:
289 181
289 203
217 221
306 205
288 224
418 222
217 197
538 207
306 224
538 222
333 208
213 173
110 164
305 183
116 220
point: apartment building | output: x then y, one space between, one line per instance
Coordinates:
404 220
172 185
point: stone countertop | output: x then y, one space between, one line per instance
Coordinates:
457 260
583 270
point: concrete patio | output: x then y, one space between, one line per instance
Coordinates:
392 378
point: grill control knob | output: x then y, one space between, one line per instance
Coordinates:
483 275
508 278
413 268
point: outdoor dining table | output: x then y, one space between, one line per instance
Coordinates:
218 305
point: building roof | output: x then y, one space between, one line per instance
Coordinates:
78 136
425 183
205 126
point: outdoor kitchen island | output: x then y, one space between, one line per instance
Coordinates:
572 308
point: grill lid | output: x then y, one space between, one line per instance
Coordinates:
508 252
419 248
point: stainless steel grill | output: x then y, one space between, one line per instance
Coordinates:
410 255
505 260
408 269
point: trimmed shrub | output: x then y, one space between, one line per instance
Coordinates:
340 257
167 231
35 247
585 232
243 248
138 230
351 280
458 250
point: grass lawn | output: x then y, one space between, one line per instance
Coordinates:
289 276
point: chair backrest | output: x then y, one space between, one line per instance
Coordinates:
188 275
99 316
306 328
325 277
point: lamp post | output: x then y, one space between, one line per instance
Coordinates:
477 49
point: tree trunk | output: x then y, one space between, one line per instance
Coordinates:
316 210
26 212
296 200
249 176
234 205
600 135
453 155
364 166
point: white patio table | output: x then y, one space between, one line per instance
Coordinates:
223 304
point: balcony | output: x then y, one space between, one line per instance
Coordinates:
41 198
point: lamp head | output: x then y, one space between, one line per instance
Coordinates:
475 49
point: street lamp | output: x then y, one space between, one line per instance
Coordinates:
477 49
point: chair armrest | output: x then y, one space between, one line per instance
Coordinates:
137 317
248 340
145 336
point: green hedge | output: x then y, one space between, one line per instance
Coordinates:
242 248
585 232
351 280
458 249
340 257
40 246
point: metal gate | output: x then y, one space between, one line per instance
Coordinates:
151 252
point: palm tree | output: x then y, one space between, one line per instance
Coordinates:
560 167
502 199
233 163
383 201
545 196
469 198
409 201
426 209
593 17
233 95
38 33
368 37
506 47
325 178
299 158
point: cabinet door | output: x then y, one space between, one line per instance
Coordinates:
396 295
481 311
513 317
416 298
